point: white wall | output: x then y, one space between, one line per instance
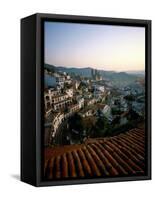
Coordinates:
10 14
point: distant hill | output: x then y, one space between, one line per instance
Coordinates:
51 68
119 78
86 72
116 78
139 73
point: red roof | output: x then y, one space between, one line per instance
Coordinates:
102 157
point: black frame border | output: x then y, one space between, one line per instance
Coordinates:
39 91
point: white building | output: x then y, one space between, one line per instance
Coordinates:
99 91
61 101
105 110
80 102
48 95
99 88
60 81
69 92
74 108
68 77
89 102
56 74
76 84
57 120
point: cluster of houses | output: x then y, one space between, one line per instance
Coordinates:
64 98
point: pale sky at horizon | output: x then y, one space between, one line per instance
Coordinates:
107 47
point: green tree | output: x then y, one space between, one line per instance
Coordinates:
102 126
75 123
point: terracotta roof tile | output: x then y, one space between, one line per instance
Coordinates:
101 157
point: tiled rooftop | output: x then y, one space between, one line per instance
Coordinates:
102 157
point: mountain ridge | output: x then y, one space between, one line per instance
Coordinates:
116 78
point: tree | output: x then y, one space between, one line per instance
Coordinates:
99 113
75 122
102 126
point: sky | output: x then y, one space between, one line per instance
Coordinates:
107 47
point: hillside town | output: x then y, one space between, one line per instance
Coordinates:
78 107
